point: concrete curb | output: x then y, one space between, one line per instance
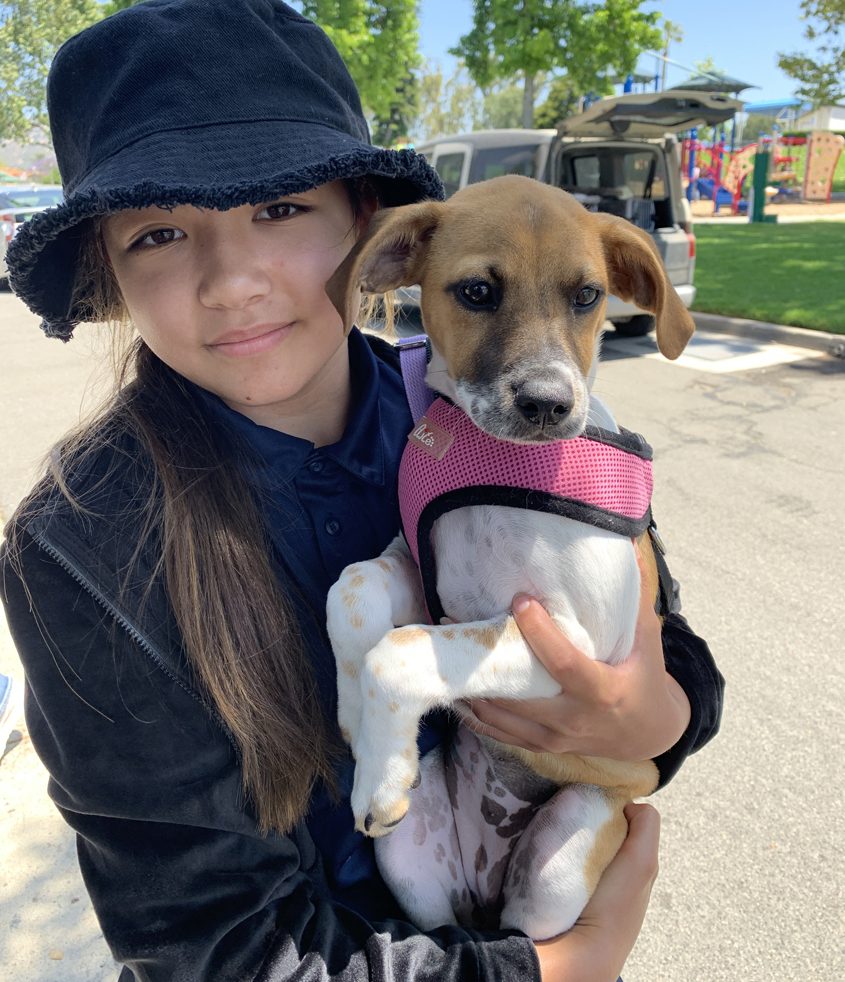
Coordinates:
798 337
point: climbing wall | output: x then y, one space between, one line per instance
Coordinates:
823 149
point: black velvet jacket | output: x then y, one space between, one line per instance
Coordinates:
145 772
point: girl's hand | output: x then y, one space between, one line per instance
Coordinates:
632 711
596 947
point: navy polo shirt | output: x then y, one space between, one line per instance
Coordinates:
327 507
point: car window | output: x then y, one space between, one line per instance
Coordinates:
31 198
449 167
496 161
639 170
586 171
620 171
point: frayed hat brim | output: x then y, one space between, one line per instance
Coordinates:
42 258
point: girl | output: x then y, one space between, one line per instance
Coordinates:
166 581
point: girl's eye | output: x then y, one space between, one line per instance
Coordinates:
158 237
586 297
279 211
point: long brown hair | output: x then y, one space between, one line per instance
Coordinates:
240 633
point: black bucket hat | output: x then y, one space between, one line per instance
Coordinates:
214 103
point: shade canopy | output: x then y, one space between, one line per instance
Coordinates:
714 81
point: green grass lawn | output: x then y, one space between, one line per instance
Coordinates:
786 274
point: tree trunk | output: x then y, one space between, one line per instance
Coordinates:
528 102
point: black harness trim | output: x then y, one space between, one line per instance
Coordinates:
513 498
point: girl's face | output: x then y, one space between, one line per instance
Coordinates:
235 300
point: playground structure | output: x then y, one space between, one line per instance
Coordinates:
716 174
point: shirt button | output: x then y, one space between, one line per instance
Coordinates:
332 526
315 466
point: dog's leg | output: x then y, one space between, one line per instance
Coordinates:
559 859
421 860
368 600
414 669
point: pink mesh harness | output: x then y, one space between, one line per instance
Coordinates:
601 478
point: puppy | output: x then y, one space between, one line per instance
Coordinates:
514 276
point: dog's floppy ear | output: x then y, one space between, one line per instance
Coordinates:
387 255
637 274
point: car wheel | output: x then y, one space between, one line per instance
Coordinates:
637 327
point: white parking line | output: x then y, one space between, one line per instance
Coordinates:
721 353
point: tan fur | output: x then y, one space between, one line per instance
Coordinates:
608 840
409 635
651 578
630 779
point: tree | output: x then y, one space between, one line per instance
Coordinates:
501 107
561 101
112 6
31 32
584 41
820 75
395 127
672 32
445 105
379 43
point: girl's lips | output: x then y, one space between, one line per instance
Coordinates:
254 342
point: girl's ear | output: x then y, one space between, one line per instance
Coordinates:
637 274
386 256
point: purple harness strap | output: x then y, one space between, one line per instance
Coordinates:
414 354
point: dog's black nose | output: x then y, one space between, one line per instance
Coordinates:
541 406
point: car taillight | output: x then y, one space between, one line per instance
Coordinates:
691 241
7 225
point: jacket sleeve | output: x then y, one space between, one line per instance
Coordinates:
689 662
184 886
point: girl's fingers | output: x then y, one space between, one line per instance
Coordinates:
577 674
500 723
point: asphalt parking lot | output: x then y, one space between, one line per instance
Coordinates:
749 475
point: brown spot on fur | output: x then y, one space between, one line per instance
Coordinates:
449 634
357 621
371 693
409 635
357 581
393 707
351 669
383 565
608 840
485 636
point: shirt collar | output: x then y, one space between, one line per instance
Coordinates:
360 451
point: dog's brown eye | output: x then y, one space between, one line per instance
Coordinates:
586 296
477 293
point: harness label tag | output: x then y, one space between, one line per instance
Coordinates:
431 438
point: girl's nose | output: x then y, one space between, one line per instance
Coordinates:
231 276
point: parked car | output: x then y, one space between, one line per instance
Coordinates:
18 202
620 156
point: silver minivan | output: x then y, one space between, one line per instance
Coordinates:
621 156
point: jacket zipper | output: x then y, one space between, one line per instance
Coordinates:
143 643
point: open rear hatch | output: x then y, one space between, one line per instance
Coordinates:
650 115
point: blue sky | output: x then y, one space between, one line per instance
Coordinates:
741 36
